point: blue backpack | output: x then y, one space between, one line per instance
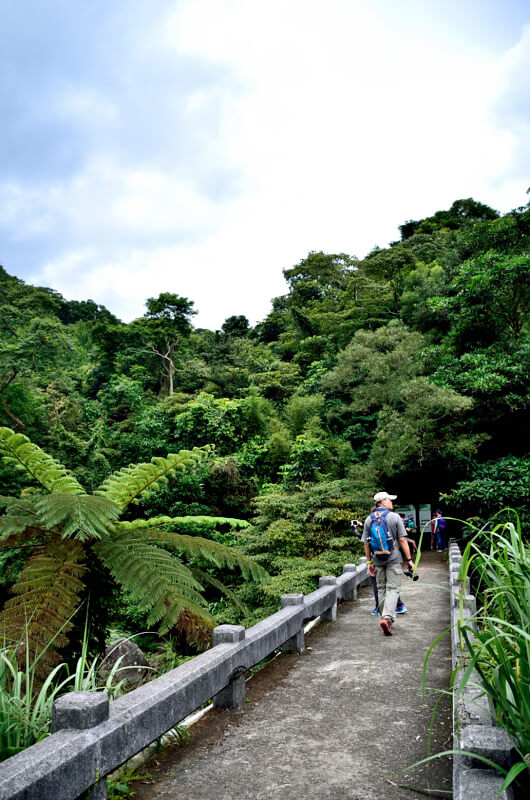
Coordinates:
381 540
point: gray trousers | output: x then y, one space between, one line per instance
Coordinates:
388 585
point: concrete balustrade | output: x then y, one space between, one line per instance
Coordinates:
92 738
474 726
296 642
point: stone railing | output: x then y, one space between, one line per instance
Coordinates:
91 737
474 727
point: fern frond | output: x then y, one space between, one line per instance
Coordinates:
9 525
14 502
18 450
46 598
130 483
29 537
205 577
193 629
214 553
20 516
154 578
12 525
82 517
210 522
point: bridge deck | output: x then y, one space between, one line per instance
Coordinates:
336 722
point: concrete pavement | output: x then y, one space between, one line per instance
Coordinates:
336 722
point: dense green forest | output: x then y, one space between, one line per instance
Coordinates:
405 371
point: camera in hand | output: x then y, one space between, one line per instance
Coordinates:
409 572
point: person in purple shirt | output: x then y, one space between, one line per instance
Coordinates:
438 524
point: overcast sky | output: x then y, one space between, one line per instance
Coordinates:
202 146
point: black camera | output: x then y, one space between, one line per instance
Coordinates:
409 572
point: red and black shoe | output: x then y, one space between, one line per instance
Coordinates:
386 625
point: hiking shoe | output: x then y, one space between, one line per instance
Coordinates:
386 625
375 612
402 609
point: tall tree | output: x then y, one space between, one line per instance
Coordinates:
163 328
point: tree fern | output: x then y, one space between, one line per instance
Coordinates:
46 598
60 527
19 451
71 516
153 578
137 480
80 517
205 578
210 522
218 555
19 517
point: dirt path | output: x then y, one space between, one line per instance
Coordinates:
335 723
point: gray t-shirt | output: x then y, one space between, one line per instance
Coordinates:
396 528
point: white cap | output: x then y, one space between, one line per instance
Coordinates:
384 496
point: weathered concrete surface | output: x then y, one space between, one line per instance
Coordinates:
336 722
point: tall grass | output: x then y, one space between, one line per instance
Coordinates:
26 704
498 639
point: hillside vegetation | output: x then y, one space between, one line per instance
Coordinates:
407 371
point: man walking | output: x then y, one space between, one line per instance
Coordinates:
383 535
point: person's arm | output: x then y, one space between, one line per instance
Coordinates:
403 543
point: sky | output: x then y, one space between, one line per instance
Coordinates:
200 147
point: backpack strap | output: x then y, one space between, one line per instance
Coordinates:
384 511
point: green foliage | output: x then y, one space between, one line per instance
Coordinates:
415 419
26 701
305 461
497 638
408 368
323 272
462 213
508 234
490 299
207 419
122 787
279 381
496 484
321 511
300 409
120 396
17 450
236 325
420 286
62 527
285 538
141 480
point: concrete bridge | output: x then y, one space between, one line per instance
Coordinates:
336 722
339 713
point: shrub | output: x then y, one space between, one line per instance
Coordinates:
285 538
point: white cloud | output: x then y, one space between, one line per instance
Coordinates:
511 108
110 201
82 104
337 122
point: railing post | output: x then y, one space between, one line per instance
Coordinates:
361 567
296 642
233 695
350 595
331 614
80 711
